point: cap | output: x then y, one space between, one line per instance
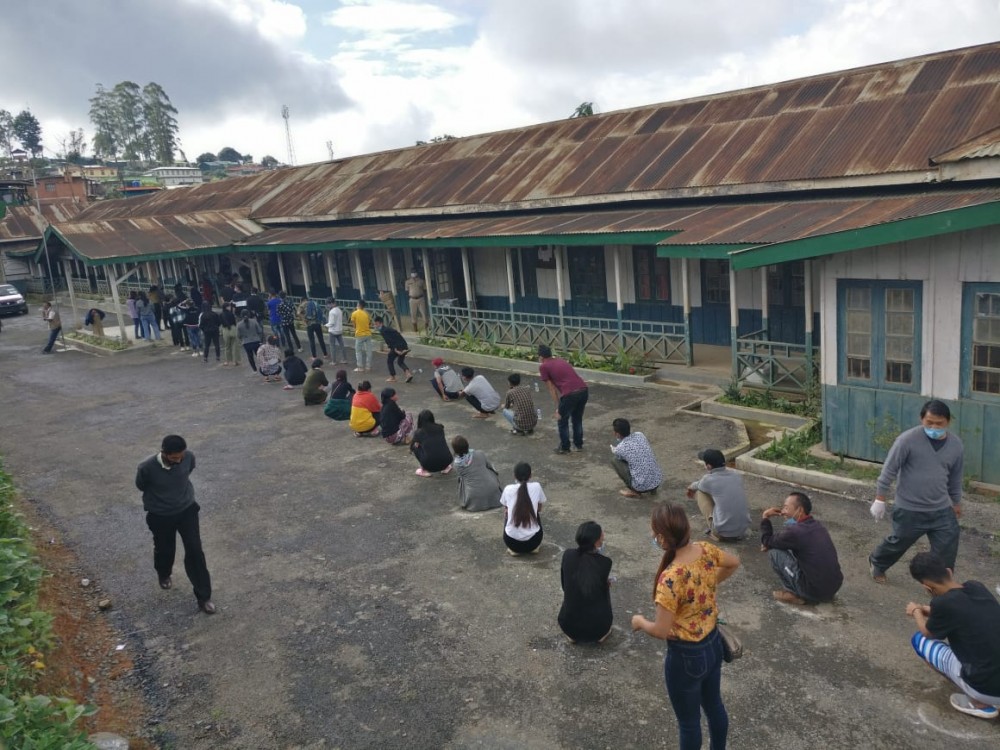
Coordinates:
713 457
437 362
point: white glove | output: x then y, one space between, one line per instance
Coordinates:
878 510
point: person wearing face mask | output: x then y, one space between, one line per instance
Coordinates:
802 554
926 463
416 290
585 615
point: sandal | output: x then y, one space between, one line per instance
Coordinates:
409 378
421 472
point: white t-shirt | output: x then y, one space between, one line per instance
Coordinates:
335 321
509 498
480 387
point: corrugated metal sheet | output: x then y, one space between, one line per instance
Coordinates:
743 223
877 120
22 222
988 144
155 235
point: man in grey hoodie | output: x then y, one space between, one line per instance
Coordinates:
926 463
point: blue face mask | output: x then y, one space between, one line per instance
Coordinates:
790 522
655 544
935 433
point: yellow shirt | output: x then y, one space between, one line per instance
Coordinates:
362 323
689 592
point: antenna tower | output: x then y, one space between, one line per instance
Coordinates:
329 149
288 135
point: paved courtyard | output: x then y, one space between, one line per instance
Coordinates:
360 608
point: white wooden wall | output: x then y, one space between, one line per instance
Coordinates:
943 264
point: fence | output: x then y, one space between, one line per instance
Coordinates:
774 364
653 341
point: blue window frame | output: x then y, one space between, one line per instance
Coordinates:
981 341
878 334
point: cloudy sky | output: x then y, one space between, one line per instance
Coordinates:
369 75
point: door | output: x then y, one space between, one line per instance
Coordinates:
711 322
588 285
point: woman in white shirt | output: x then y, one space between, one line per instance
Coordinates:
521 501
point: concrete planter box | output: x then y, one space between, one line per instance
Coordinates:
778 419
490 362
85 346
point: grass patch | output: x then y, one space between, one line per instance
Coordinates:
27 720
792 449
113 345
808 406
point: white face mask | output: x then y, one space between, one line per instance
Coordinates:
413 276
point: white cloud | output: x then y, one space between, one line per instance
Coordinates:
381 16
274 20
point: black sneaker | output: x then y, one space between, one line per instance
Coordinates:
562 451
578 447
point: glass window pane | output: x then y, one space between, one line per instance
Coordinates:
899 300
899 349
859 345
859 298
859 322
899 324
859 368
898 372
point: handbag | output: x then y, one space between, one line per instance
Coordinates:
732 646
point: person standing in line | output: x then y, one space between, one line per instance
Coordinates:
274 317
209 323
585 615
570 394
156 300
480 394
230 338
416 290
802 553
633 460
335 327
51 317
192 321
250 333
684 592
721 498
147 318
478 482
522 502
398 349
286 315
95 319
446 382
312 314
362 323
315 385
926 464
177 313
256 304
164 479
131 304
968 617
519 407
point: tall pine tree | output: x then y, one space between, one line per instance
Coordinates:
161 124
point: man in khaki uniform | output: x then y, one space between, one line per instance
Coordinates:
416 289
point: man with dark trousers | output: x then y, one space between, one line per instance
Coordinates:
569 392
168 499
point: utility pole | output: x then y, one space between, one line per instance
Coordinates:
329 149
288 134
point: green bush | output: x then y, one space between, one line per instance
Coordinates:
621 361
29 722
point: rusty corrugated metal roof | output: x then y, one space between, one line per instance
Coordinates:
20 223
114 239
877 120
985 145
756 223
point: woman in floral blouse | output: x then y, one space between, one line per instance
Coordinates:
686 615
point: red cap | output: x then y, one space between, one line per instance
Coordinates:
437 362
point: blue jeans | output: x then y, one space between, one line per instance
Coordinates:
337 339
571 408
363 352
693 673
150 328
194 336
53 335
940 526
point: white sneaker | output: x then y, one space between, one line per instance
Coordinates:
196 354
961 702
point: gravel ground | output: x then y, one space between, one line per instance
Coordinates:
360 608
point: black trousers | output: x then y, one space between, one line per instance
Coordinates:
211 336
291 335
251 350
165 530
477 404
393 358
315 331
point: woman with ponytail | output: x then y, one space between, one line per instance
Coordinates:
522 527
686 615
585 616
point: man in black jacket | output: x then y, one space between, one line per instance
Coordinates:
802 554
168 499
398 349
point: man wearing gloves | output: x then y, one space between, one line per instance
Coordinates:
925 462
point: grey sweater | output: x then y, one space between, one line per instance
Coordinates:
166 492
926 479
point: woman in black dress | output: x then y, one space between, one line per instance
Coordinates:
429 446
585 616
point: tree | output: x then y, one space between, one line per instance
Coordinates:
206 157
130 121
438 139
28 131
228 153
586 109
269 161
160 123
102 115
6 131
